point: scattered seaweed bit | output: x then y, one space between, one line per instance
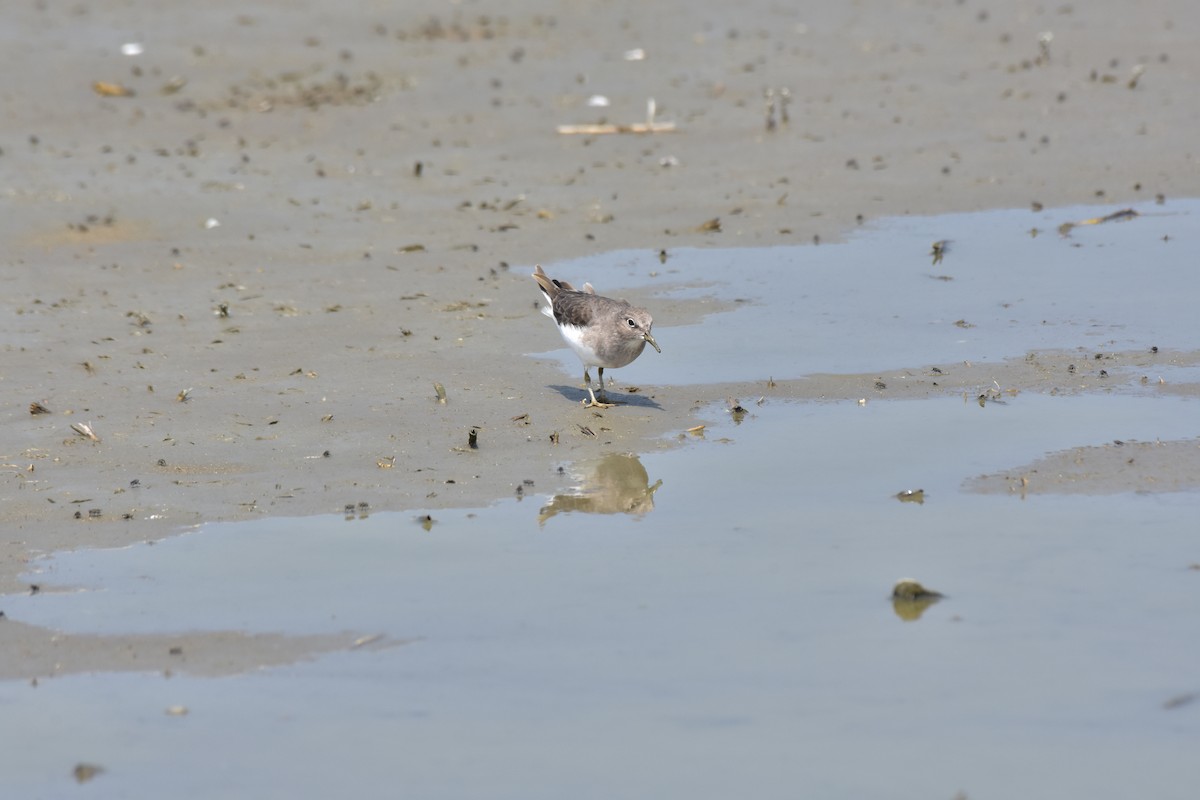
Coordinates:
440 391
710 226
909 589
84 429
911 496
85 772
294 90
36 408
184 396
939 250
473 438
173 85
910 599
585 430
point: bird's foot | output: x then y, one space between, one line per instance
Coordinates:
594 403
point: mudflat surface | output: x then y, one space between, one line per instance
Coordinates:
244 256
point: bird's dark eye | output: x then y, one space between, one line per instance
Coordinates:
632 324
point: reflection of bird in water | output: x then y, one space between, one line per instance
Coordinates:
614 484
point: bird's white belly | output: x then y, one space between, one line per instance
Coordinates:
573 336
623 353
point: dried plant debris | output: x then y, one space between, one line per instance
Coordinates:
84 429
110 89
1123 215
651 125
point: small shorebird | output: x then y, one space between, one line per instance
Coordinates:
603 332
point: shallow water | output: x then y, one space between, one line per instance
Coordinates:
878 301
714 620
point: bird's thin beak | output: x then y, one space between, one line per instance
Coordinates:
650 339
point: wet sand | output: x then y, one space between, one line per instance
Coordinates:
244 257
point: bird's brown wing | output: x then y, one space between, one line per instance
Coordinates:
574 308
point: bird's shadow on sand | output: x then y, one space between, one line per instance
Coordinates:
576 394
